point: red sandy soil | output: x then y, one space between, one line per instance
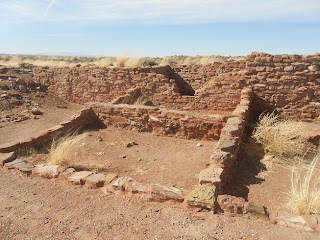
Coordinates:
252 181
36 208
52 115
165 160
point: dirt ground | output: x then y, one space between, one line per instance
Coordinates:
37 208
255 183
165 160
54 111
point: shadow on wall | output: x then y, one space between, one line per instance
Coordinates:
184 87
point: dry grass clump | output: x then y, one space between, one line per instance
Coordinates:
122 61
304 193
280 137
64 150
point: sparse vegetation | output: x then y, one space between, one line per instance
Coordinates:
280 138
304 193
64 149
122 61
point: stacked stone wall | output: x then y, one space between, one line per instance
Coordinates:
161 121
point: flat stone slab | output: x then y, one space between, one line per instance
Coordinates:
166 193
137 187
7 157
95 180
293 221
210 175
110 177
227 144
79 178
48 171
203 196
234 121
67 172
231 130
120 182
20 165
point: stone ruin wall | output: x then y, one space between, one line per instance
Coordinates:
287 83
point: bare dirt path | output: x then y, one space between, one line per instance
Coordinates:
35 208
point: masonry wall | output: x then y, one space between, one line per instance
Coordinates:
161 121
288 83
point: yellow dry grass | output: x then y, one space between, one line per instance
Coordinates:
304 193
121 61
64 150
280 137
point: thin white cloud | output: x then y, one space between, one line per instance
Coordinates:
162 11
50 5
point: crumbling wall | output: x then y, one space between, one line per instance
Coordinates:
161 121
289 84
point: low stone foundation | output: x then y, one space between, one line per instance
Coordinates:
161 121
83 119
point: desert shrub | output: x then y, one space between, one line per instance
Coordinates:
304 193
280 137
64 149
120 61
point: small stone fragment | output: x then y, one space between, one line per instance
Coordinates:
257 210
294 221
36 111
231 205
120 182
7 157
199 145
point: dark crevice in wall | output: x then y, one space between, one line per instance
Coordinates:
184 87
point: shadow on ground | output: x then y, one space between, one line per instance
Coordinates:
246 169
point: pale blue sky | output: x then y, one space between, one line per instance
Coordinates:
159 27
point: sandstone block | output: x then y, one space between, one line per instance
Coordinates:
67 172
7 157
288 68
293 221
230 131
203 196
137 187
227 144
230 204
110 177
260 68
95 180
50 171
210 175
221 158
79 178
313 68
234 121
166 193
120 182
10 165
